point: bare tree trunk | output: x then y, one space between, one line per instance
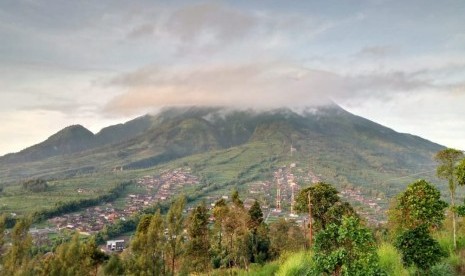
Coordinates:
454 226
310 220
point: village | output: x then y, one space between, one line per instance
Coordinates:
153 188
276 196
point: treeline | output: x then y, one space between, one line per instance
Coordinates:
76 205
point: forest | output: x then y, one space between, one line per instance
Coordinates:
425 235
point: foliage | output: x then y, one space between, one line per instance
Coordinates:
198 245
419 248
73 206
114 267
419 204
323 197
286 236
147 247
446 169
175 227
345 249
460 172
18 256
259 240
390 260
447 160
296 264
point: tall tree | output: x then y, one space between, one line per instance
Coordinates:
259 239
220 212
175 227
446 169
147 247
198 245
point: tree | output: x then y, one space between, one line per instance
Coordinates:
92 256
175 227
147 246
460 172
419 248
447 160
70 258
419 204
18 255
255 215
114 267
198 245
259 240
286 236
236 200
326 205
348 248
220 212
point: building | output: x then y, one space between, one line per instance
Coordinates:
115 245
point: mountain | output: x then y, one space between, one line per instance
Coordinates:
69 140
335 144
76 138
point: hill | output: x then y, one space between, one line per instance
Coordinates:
232 148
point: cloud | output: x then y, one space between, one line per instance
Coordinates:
376 51
214 27
204 25
258 85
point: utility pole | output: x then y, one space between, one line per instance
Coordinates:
310 219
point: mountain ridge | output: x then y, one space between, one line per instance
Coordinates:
175 133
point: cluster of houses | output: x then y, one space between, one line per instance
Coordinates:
90 220
168 183
155 189
373 209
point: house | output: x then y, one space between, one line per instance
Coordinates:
115 245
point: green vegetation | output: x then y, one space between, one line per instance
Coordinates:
448 159
233 151
35 185
239 242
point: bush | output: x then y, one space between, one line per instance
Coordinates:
420 249
442 269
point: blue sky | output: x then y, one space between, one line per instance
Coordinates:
399 63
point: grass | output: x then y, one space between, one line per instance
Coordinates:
390 260
295 264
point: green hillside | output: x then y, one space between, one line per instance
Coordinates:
228 148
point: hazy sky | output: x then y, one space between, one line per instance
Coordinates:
399 63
